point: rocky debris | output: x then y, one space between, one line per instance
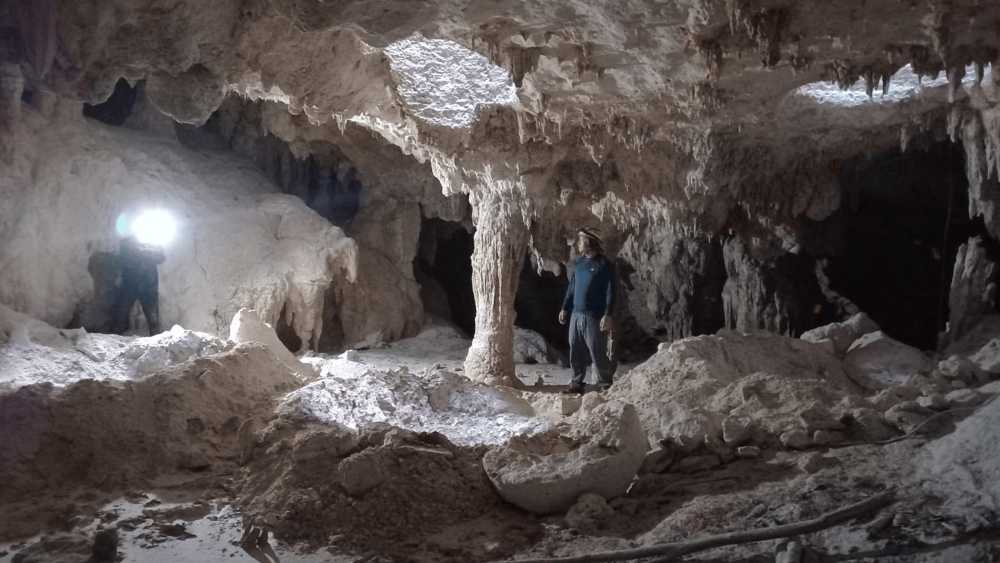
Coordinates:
961 469
547 473
589 513
183 418
393 486
843 334
907 416
869 425
877 361
737 388
988 357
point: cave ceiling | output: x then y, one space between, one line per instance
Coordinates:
692 114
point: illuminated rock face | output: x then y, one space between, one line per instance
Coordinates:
703 138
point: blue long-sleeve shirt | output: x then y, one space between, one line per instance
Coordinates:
591 287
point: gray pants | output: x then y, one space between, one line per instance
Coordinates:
588 345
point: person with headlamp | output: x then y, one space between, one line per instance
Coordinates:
140 254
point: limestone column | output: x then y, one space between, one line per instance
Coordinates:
973 291
501 241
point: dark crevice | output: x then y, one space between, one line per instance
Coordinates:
443 268
537 303
117 109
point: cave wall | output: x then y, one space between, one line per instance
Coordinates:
240 243
676 143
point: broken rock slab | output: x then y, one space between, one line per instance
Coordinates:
547 473
842 335
876 361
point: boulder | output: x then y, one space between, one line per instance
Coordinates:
870 426
876 361
361 472
963 468
841 335
531 348
601 456
988 357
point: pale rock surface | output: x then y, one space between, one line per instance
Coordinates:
239 244
878 361
988 357
34 352
355 395
184 415
531 348
549 472
870 425
248 327
843 334
698 386
961 468
907 416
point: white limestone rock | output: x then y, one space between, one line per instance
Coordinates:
870 426
988 357
842 335
247 326
907 416
737 387
547 473
877 361
964 398
963 468
935 402
531 348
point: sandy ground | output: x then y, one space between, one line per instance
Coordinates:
190 516
174 523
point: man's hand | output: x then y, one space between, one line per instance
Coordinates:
562 317
605 323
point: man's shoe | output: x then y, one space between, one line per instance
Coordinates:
573 391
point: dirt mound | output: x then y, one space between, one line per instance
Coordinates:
747 383
115 434
387 489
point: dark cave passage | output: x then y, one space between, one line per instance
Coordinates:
539 298
896 236
443 268
117 108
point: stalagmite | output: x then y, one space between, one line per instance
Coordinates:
500 243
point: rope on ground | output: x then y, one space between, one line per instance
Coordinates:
671 551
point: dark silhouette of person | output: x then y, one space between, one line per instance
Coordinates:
140 280
588 307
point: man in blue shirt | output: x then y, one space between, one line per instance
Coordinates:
590 298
